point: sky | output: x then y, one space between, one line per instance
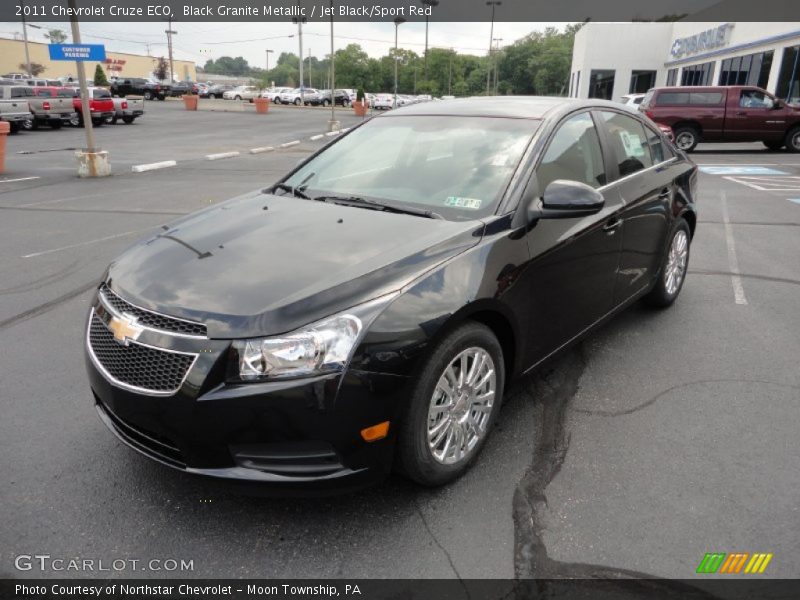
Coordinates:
199 41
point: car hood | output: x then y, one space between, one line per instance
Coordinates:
263 264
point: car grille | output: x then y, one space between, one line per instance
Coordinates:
137 366
147 318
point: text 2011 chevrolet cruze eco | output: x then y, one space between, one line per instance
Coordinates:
369 310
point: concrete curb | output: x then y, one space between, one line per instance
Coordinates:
164 164
221 155
261 149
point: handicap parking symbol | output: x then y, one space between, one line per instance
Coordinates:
741 170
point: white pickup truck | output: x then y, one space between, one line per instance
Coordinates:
127 109
15 112
42 109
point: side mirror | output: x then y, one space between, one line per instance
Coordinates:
564 199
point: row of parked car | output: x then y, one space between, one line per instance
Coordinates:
28 107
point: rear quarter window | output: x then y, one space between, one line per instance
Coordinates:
672 98
705 98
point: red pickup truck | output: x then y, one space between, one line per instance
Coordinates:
101 105
724 114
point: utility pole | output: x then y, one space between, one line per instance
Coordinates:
431 4
493 4
170 33
333 124
310 84
450 75
397 22
300 20
25 37
497 51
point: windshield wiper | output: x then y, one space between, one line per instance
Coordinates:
375 205
291 189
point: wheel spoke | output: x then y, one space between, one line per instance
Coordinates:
437 433
477 365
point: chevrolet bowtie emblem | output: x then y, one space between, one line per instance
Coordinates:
124 328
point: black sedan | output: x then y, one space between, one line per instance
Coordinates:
369 310
323 98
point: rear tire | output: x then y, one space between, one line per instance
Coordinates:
237 98
212 96
148 95
793 140
687 138
773 145
15 127
76 121
673 267
443 432
27 124
297 101
128 120
98 122
326 103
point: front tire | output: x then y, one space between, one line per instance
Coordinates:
297 101
148 95
454 404
326 103
687 138
237 98
673 267
793 140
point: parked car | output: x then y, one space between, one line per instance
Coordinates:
40 109
383 102
274 93
54 113
341 97
127 109
183 88
724 114
632 100
216 91
101 106
242 92
16 76
299 96
327 367
15 111
137 86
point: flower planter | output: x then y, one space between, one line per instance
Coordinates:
5 128
190 101
262 105
360 108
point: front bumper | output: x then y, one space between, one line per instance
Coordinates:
294 435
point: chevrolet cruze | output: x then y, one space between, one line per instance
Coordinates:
368 310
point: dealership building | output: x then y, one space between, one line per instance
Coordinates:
610 60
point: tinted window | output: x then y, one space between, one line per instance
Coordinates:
574 154
672 98
656 145
101 94
21 92
705 98
66 94
628 142
44 93
754 99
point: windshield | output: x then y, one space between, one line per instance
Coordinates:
456 166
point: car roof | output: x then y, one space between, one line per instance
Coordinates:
519 107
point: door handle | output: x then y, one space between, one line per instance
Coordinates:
612 226
741 114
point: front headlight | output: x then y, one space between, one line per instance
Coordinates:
319 348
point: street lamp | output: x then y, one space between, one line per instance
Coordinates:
268 53
493 4
450 74
430 3
25 37
397 22
333 124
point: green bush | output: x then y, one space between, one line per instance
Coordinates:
100 79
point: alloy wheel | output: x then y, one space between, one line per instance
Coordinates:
676 262
461 406
685 140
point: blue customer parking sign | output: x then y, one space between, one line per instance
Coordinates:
77 52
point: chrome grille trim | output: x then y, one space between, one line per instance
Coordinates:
111 306
126 386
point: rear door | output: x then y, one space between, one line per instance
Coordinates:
640 175
752 117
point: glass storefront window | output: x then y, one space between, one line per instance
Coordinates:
672 77
789 77
698 74
752 69
641 81
601 84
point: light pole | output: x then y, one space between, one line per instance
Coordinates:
430 3
333 124
397 22
493 4
450 74
268 52
496 51
25 37
170 33
300 20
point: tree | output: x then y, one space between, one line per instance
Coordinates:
161 70
36 69
56 36
100 79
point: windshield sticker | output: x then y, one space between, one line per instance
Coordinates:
632 144
458 202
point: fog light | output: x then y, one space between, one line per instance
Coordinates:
376 432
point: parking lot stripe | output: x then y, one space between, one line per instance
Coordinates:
18 179
314 138
221 155
261 149
103 239
292 143
153 166
733 261
332 133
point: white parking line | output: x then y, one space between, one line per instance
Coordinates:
332 133
103 239
314 138
733 261
768 184
18 179
261 149
154 166
221 155
292 143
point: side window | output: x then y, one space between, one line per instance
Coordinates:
656 145
754 99
574 154
628 142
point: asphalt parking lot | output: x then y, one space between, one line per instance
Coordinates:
663 436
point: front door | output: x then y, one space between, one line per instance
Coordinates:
754 118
